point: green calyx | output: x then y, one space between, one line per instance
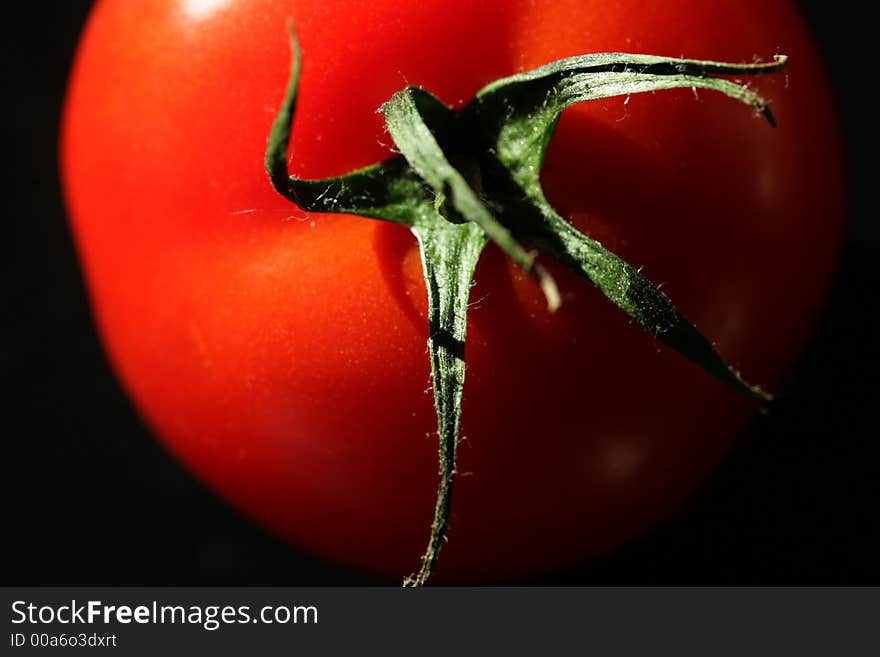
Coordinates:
466 177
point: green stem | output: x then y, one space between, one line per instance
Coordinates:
405 116
464 177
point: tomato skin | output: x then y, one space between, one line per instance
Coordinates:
281 355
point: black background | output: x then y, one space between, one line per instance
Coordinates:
92 499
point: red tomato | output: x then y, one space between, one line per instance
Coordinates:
281 356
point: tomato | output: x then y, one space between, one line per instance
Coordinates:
281 355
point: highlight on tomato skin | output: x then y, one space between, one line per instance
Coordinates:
281 356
